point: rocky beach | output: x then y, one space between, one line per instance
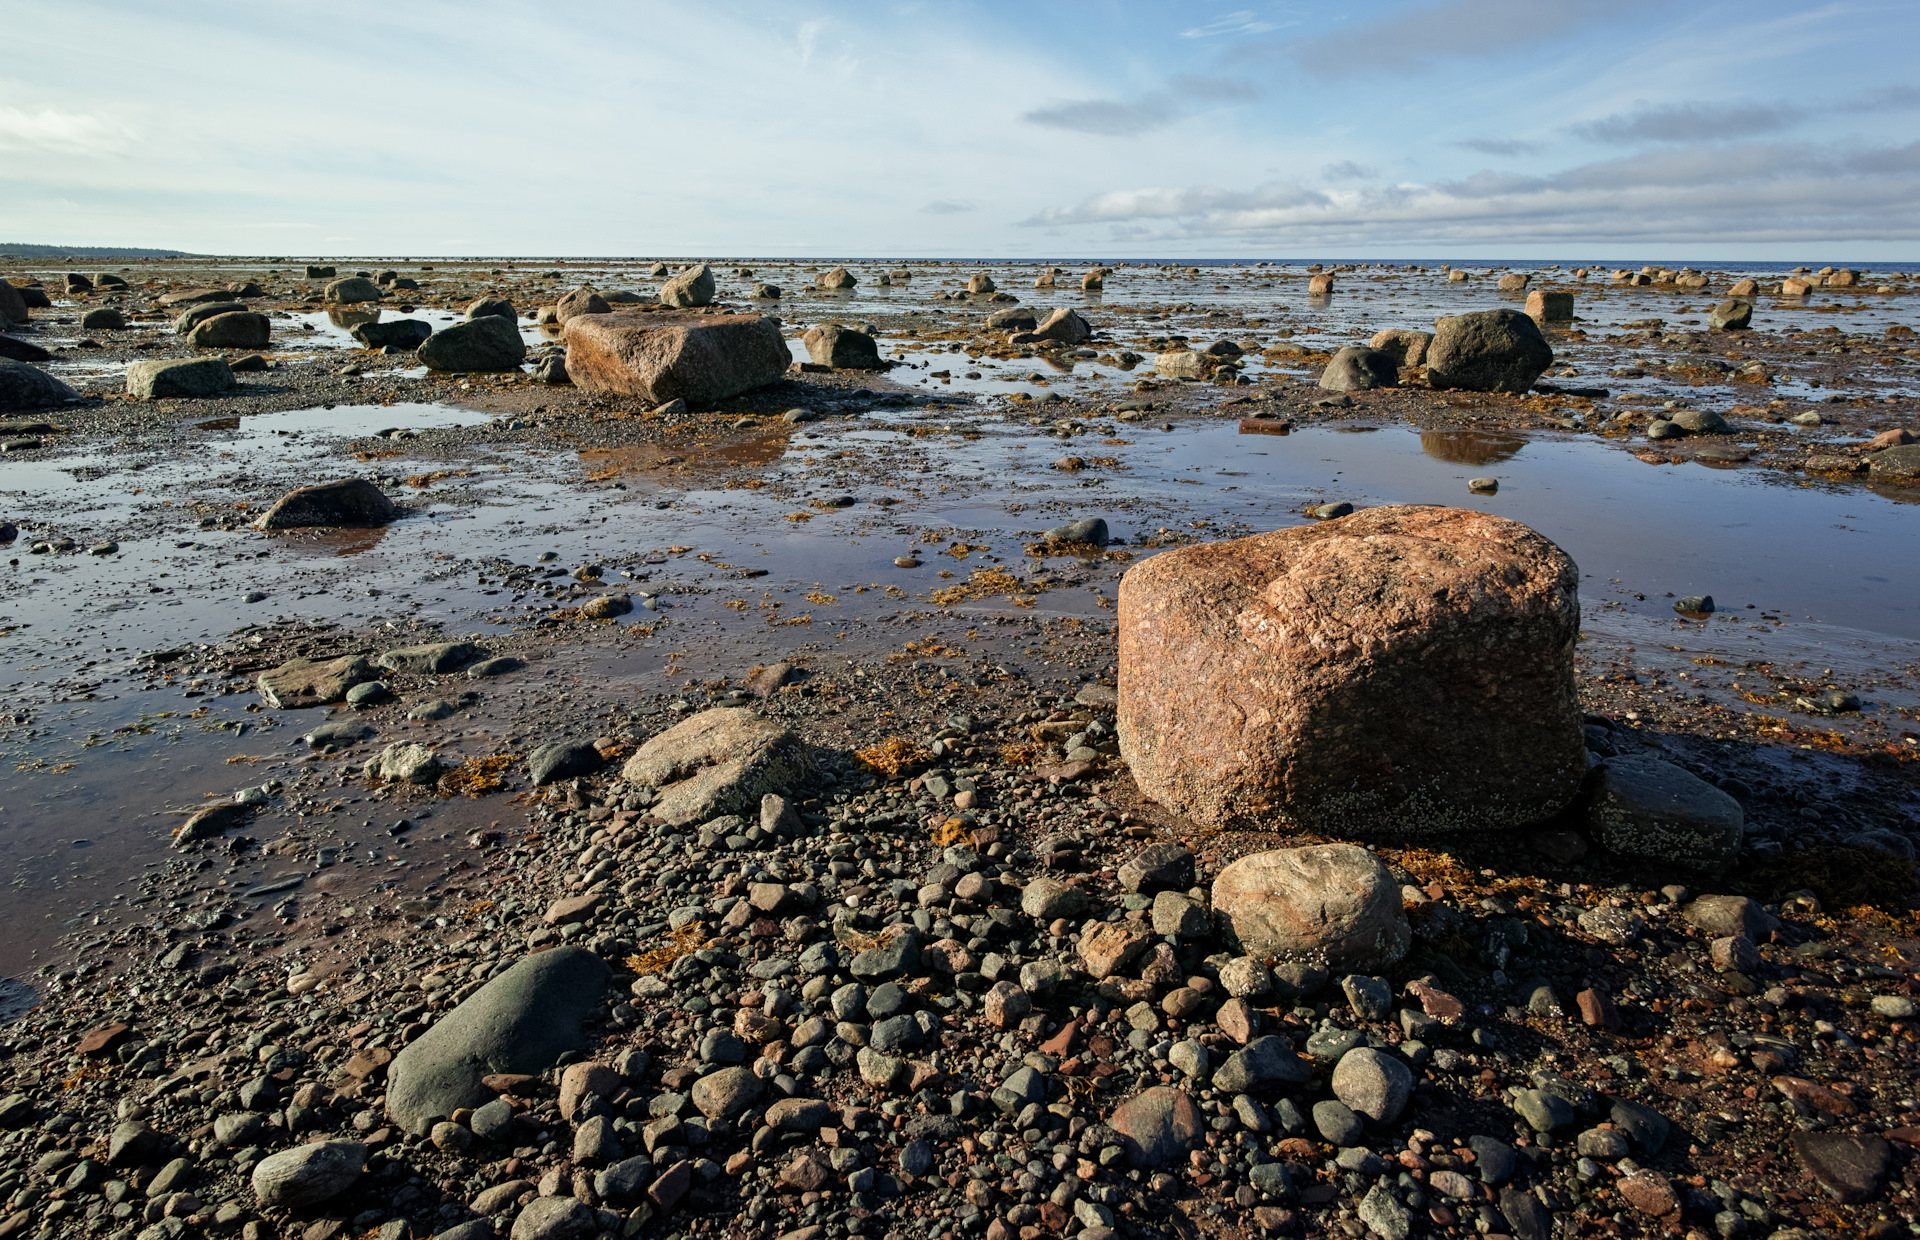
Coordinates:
559 748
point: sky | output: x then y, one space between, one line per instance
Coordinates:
1367 129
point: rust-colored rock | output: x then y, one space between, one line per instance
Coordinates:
102 1041
660 357
1403 672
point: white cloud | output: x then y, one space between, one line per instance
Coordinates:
1243 22
62 133
1744 193
948 206
809 38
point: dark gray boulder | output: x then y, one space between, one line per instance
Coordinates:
239 329
521 1021
1157 868
25 387
1487 351
15 349
1643 807
1358 369
404 334
1731 315
486 343
563 760
196 315
1261 1064
496 307
350 502
1157 1127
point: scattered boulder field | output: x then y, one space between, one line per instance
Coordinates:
1320 896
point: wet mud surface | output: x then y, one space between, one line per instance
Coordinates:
129 675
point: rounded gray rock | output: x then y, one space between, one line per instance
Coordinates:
1358 369
555 1218
521 1021
1373 1083
308 1174
1337 1123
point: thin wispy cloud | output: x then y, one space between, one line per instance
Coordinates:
1438 35
65 133
1214 89
1124 118
1107 118
808 39
1689 122
948 206
1243 22
1509 147
1347 170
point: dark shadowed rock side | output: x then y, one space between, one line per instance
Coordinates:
352 502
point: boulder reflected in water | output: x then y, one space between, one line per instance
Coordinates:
1471 447
348 317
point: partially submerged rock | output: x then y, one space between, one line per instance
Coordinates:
353 289
24 387
1404 671
487 343
701 359
349 503
211 822
312 682
432 658
841 347
720 761
403 334
520 1022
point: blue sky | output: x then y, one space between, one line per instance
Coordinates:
1587 129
